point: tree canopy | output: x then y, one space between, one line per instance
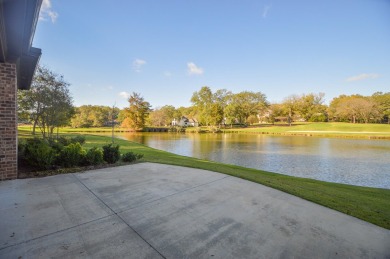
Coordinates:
356 108
134 116
93 116
48 104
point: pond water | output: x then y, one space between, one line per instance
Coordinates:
349 161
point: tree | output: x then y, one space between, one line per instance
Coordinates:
202 100
244 104
354 108
290 107
209 106
382 101
48 104
162 116
93 116
156 117
136 114
274 112
311 107
252 119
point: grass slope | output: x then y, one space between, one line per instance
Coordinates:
369 204
331 129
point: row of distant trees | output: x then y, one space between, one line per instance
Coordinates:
224 107
49 105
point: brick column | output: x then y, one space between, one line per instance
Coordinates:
8 122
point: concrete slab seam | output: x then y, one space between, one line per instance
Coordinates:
56 232
173 194
119 217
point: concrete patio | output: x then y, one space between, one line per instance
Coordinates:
160 211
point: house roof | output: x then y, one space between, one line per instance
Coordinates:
18 20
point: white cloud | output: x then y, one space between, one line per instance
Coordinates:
192 69
361 77
47 12
110 87
137 65
124 95
266 9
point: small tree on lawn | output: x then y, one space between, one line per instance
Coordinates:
48 104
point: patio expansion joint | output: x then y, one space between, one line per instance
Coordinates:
173 194
116 213
56 232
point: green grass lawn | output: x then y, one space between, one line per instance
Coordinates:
321 129
28 129
332 129
369 204
325 129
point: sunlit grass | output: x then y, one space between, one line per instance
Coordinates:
320 129
325 129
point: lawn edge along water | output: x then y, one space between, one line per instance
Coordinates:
308 129
366 203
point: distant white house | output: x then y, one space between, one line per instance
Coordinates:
185 122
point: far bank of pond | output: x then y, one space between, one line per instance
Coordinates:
351 161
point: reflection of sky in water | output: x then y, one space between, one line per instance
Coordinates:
357 162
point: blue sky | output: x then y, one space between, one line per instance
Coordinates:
166 49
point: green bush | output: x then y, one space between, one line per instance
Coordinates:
78 139
131 157
111 153
72 155
94 156
38 153
64 141
56 145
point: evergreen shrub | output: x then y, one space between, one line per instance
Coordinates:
38 153
131 157
111 153
72 155
94 156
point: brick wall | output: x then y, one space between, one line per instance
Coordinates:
8 122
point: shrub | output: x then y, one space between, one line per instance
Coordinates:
131 157
94 156
78 139
72 155
64 141
56 145
38 153
111 153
